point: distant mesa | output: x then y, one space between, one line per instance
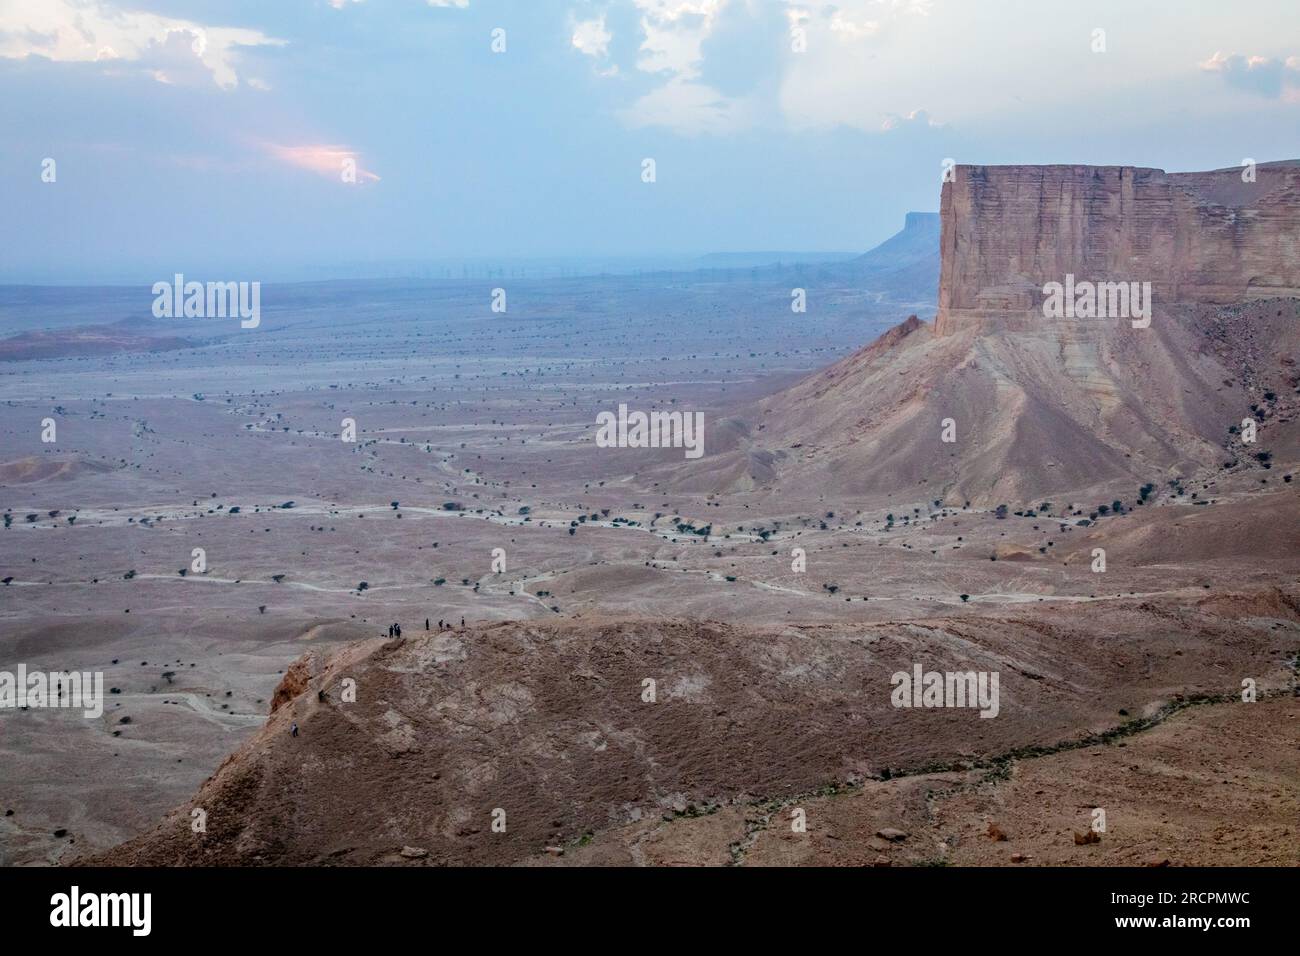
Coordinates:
917 243
904 268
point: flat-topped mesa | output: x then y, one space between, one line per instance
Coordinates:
918 220
1219 237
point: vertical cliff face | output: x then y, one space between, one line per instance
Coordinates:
1084 402
1202 238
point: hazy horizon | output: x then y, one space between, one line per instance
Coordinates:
451 270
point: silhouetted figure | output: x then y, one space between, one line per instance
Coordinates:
397 630
426 623
293 730
440 624
462 622
390 630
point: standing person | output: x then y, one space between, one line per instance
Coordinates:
397 630
390 630
426 623
462 622
293 730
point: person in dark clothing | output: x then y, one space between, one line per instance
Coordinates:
390 630
426 623
293 730
462 622
397 630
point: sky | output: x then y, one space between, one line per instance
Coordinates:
242 138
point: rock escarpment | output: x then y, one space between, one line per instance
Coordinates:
1198 238
1075 403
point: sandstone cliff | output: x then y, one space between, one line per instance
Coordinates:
1207 238
1064 405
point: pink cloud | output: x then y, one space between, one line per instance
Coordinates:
336 162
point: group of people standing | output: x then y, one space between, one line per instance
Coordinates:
395 630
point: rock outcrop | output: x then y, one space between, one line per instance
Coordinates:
499 743
1070 404
1198 238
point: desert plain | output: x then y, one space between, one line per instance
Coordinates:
769 589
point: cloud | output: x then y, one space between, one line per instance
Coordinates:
917 119
458 4
818 80
860 19
169 49
591 37
674 32
328 161
689 108
848 46
854 29
1266 76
